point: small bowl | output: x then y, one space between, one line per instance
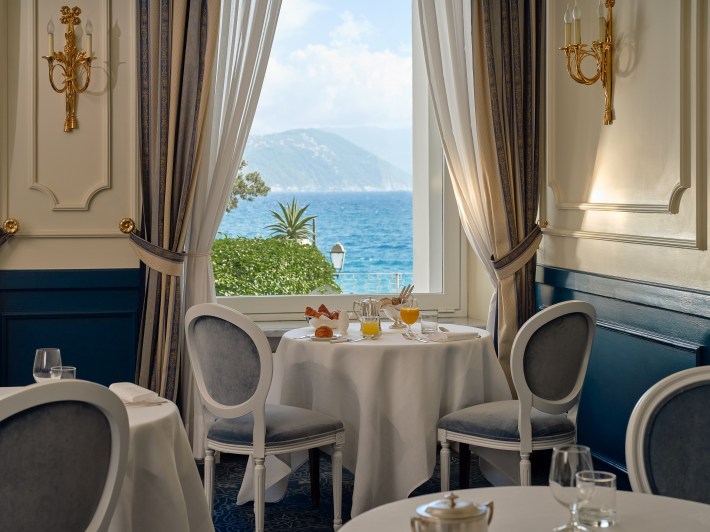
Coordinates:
392 312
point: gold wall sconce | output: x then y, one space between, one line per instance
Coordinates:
75 65
601 51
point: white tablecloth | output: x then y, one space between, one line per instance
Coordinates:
533 508
389 393
162 489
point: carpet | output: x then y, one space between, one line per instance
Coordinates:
294 512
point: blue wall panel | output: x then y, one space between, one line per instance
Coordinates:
91 315
645 332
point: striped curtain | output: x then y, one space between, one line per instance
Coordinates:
177 41
485 69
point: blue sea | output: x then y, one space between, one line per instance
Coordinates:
374 227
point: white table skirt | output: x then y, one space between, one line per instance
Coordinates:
390 394
533 508
162 489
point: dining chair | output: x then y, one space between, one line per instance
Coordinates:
668 437
548 363
63 449
233 366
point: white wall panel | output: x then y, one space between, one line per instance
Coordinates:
69 190
630 199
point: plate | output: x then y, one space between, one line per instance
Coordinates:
316 339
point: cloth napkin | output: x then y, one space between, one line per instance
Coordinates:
132 393
452 336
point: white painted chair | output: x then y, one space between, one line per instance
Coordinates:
64 447
549 360
233 366
668 437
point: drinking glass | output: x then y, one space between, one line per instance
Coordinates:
409 314
567 461
45 359
597 505
370 326
63 372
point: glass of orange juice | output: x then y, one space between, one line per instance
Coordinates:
370 326
409 312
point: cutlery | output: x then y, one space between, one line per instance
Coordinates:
302 337
443 329
417 338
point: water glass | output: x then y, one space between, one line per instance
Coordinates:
63 372
429 321
598 493
45 359
567 461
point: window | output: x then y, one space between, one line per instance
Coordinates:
437 243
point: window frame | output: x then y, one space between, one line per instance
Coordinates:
441 265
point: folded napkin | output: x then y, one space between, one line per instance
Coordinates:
452 336
132 393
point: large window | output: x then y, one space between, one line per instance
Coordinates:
345 124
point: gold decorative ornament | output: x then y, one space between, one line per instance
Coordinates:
127 225
11 226
75 65
601 51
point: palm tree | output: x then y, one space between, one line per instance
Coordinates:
292 223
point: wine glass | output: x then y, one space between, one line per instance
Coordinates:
567 460
409 314
45 359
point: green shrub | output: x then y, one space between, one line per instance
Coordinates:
268 266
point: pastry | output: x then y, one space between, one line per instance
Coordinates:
324 332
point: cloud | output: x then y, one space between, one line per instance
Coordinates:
341 81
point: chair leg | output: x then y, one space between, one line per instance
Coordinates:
314 464
337 471
209 477
444 460
259 493
464 465
524 469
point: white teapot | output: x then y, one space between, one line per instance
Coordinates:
452 514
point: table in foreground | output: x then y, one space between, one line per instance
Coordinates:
390 394
533 508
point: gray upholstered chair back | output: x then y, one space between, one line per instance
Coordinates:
668 438
554 355
550 355
57 460
229 359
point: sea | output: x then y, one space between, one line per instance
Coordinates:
375 228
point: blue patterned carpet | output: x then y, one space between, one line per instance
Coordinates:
294 511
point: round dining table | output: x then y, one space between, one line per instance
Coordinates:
533 508
390 393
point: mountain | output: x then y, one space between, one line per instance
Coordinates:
392 145
312 160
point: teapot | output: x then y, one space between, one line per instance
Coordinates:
366 308
452 514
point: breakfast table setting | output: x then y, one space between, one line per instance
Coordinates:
389 387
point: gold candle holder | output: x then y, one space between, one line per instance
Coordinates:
601 51
71 61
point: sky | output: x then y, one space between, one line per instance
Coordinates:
338 63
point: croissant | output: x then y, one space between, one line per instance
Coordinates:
324 332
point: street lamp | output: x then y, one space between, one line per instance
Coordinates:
337 257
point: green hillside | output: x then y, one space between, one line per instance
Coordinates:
314 160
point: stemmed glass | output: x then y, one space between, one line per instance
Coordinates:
567 460
45 359
409 312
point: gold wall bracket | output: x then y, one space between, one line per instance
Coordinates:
601 51
75 65
126 225
11 226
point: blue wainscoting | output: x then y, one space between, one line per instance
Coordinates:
91 315
644 332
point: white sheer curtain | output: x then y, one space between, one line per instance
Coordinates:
447 34
245 37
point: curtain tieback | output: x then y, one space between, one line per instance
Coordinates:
156 258
195 254
519 256
4 237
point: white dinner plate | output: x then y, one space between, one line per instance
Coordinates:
316 339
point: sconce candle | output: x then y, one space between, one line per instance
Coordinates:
74 64
577 17
50 37
602 21
89 38
568 26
